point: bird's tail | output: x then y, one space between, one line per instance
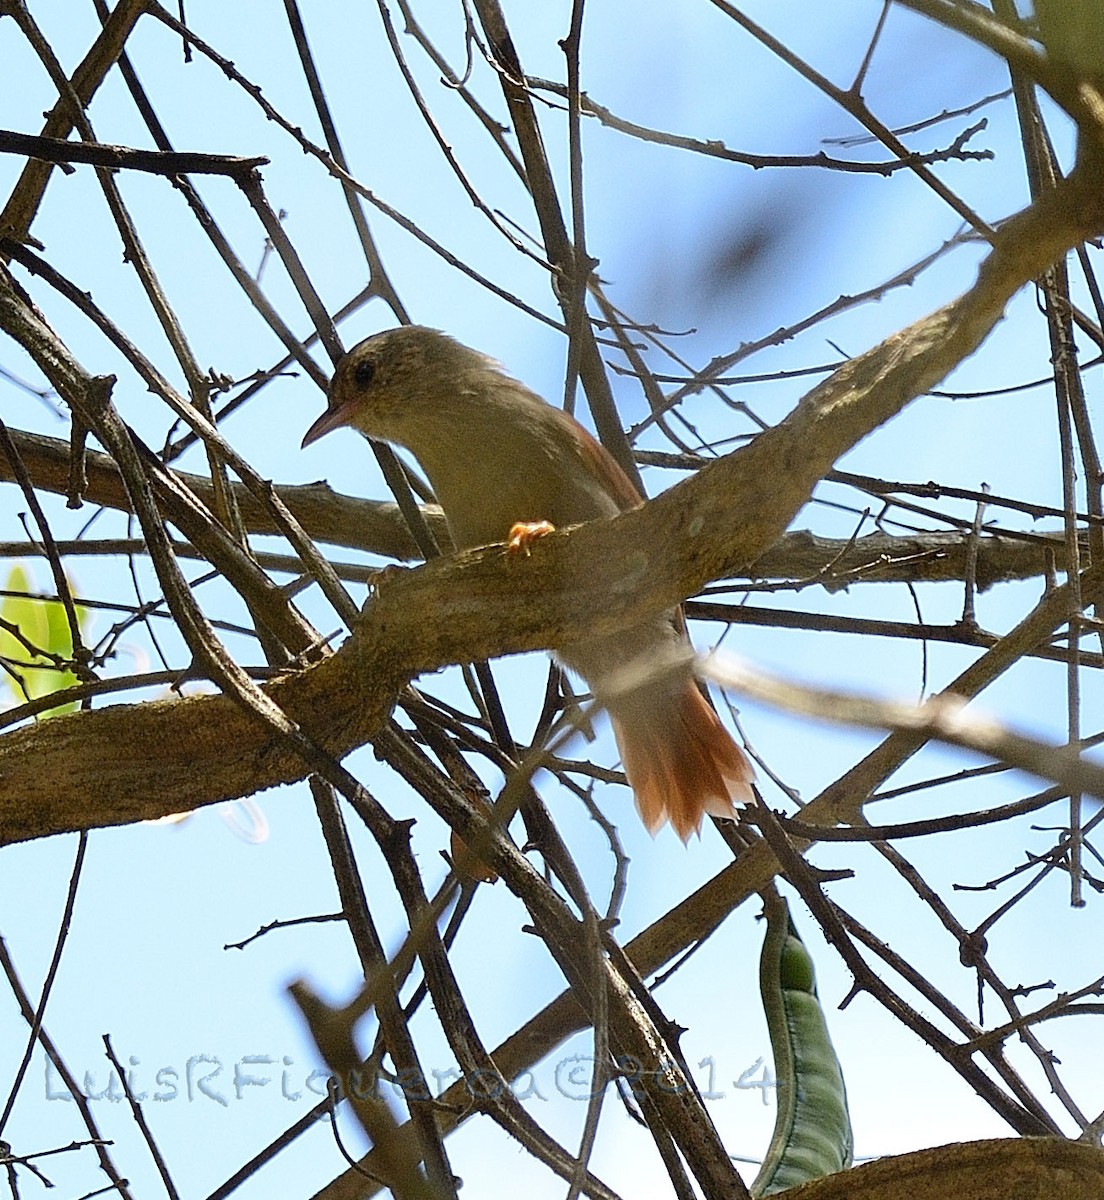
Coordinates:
680 760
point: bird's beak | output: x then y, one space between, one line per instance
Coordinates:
332 418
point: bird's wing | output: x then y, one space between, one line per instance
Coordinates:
601 464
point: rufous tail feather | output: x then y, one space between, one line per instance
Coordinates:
680 760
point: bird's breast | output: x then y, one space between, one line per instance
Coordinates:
487 488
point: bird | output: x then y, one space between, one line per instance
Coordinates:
506 466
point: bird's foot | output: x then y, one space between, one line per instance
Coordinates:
385 575
525 533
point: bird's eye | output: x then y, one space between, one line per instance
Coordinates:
364 372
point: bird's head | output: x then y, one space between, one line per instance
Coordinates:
396 383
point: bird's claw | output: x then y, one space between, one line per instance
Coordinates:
525 533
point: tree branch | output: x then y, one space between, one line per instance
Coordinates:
377 527
99 154
132 762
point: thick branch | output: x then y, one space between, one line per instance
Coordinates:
122 764
988 1170
377 527
98 154
373 525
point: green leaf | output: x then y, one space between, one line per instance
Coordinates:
44 624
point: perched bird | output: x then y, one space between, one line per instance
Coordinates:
506 466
